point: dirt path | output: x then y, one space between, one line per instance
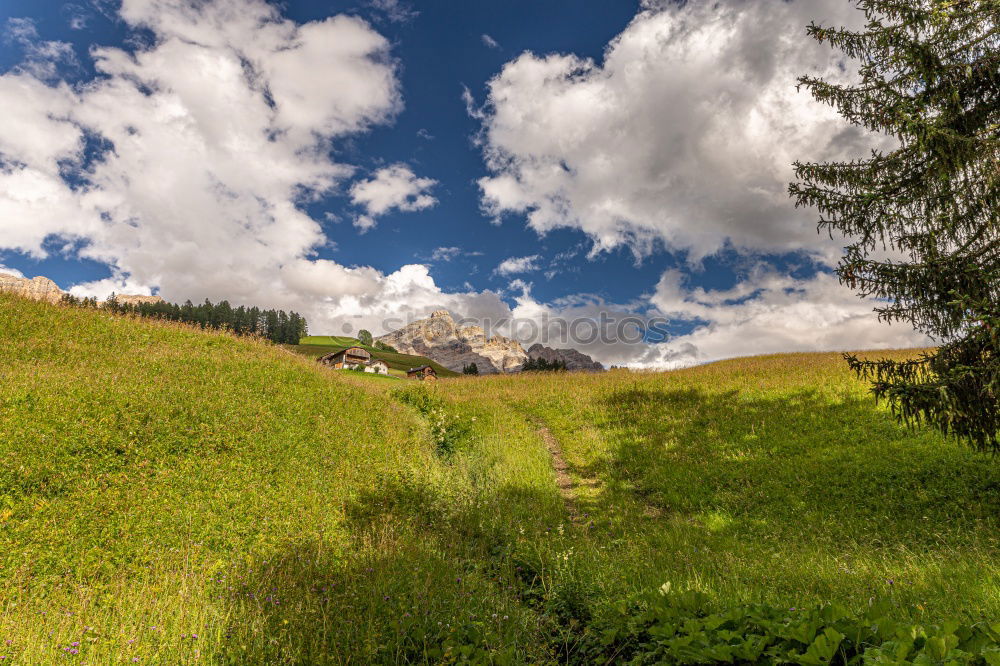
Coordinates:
564 482
568 487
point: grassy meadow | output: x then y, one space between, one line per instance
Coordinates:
173 496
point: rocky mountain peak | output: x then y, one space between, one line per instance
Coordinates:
438 338
43 289
38 288
574 360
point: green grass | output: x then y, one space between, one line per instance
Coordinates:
315 346
772 479
158 482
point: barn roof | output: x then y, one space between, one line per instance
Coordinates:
341 350
422 367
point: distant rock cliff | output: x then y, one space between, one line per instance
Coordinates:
43 289
441 340
136 299
573 359
38 289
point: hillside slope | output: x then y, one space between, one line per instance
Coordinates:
159 482
174 496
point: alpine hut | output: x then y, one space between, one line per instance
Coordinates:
423 373
350 357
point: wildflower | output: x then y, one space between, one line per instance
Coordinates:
194 636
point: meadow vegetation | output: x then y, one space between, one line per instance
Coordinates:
169 495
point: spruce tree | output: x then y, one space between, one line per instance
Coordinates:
921 219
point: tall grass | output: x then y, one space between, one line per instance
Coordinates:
176 496
770 479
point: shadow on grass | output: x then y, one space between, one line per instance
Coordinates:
843 467
419 579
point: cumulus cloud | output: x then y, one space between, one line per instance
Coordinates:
184 165
768 312
515 265
682 136
392 188
11 271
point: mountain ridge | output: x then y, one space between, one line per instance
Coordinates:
438 337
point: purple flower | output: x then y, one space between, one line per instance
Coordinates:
75 643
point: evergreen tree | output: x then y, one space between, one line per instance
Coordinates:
470 369
270 324
922 219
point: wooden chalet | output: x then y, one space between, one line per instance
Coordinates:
423 373
350 357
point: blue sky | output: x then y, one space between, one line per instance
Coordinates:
618 156
440 51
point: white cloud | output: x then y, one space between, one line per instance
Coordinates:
445 253
394 187
683 135
770 313
11 271
221 130
395 10
765 313
489 42
515 265
42 57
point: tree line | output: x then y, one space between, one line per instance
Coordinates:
275 325
556 365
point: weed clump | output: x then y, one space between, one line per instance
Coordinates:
447 427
